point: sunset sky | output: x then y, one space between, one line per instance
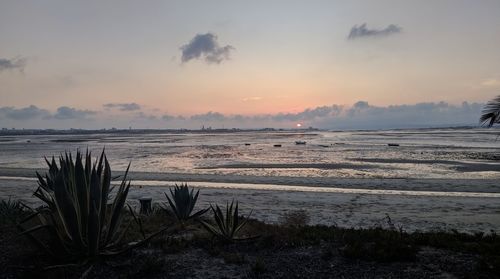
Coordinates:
172 64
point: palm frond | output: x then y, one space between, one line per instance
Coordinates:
490 114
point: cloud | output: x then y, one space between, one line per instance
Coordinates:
168 117
30 112
252 99
145 116
123 106
12 64
360 115
209 116
308 114
362 31
33 112
205 46
65 112
492 82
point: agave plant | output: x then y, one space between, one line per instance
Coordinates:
182 202
490 114
226 227
78 215
12 210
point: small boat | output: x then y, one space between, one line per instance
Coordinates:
277 145
393 144
300 142
247 144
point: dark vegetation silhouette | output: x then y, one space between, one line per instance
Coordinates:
182 202
490 115
81 219
85 225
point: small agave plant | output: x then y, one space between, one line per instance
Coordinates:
182 201
226 227
12 210
78 215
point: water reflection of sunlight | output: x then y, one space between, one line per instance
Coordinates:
187 152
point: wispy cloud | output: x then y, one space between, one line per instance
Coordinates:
209 116
123 106
146 116
168 117
12 64
362 31
205 46
251 99
491 82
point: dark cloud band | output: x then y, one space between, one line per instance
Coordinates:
361 115
34 112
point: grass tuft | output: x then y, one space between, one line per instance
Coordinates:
295 218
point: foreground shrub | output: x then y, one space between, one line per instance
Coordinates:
295 218
182 202
12 211
77 216
378 244
226 227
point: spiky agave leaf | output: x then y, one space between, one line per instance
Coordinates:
182 201
76 196
490 114
226 226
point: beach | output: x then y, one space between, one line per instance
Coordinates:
415 204
434 179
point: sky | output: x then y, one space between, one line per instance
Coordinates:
247 64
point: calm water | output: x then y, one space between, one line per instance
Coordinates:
447 153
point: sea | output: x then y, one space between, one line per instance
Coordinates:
424 179
422 153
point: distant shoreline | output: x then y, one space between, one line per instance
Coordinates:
21 132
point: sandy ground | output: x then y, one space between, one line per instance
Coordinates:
464 205
487 185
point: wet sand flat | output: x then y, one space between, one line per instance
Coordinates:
487 185
347 207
